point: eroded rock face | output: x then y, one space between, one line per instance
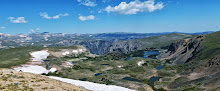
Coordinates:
125 46
182 51
198 71
101 47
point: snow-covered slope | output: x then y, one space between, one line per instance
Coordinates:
92 86
39 55
34 69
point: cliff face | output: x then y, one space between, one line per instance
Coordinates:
125 46
96 46
201 59
182 51
104 46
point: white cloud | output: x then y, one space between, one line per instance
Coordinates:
85 18
2 27
106 1
37 29
46 16
17 20
100 11
34 30
87 3
134 7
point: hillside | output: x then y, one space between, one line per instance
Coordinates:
197 63
21 55
15 56
125 46
11 80
163 40
157 42
75 63
134 70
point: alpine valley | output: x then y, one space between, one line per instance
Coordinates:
126 61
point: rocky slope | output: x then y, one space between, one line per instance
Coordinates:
125 46
197 62
11 80
180 52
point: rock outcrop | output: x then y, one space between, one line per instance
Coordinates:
200 57
101 47
181 52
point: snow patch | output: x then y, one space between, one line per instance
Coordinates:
92 86
34 69
140 63
67 65
80 50
53 70
120 66
75 51
39 55
66 53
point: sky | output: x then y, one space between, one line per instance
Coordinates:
104 16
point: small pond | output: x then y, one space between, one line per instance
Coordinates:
129 58
46 60
131 79
153 79
73 62
105 64
159 67
83 79
149 53
98 74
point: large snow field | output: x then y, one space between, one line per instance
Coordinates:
34 69
39 55
92 86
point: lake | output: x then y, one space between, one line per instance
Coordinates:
98 74
131 79
73 62
129 58
105 64
149 53
153 79
159 67
46 60
84 79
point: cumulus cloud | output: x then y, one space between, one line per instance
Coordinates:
134 7
17 20
85 18
2 27
87 3
34 30
46 16
106 1
37 29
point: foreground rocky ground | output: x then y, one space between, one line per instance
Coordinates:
11 80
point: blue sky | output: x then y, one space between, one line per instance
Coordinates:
99 16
